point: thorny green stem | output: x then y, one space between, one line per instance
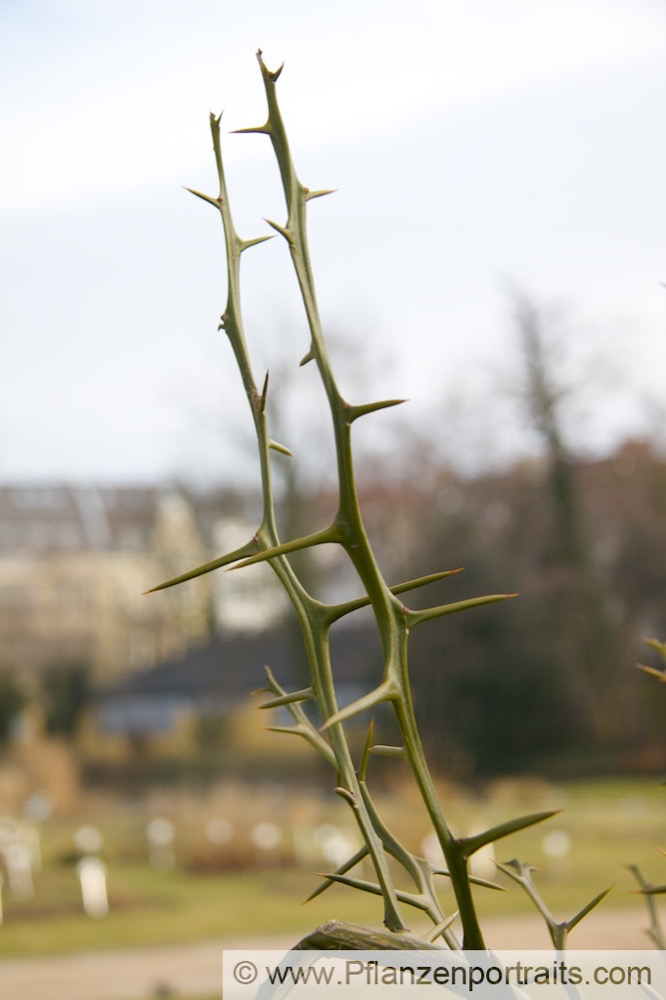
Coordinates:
389 613
455 859
393 620
267 538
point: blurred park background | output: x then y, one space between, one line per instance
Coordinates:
137 775
512 290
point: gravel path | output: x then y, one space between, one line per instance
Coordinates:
195 969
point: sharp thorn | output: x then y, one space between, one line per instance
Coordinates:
309 195
259 129
276 446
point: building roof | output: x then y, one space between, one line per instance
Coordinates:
222 674
234 665
49 517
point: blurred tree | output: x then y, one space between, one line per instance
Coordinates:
595 653
65 690
489 694
544 679
12 700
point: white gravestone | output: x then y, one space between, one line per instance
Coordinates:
92 876
19 870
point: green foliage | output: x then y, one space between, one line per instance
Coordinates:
394 620
65 689
12 700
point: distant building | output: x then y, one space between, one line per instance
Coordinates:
165 707
251 599
74 564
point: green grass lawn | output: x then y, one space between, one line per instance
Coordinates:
611 824
149 907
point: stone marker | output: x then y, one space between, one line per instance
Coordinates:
92 876
19 870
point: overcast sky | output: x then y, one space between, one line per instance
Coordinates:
472 144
